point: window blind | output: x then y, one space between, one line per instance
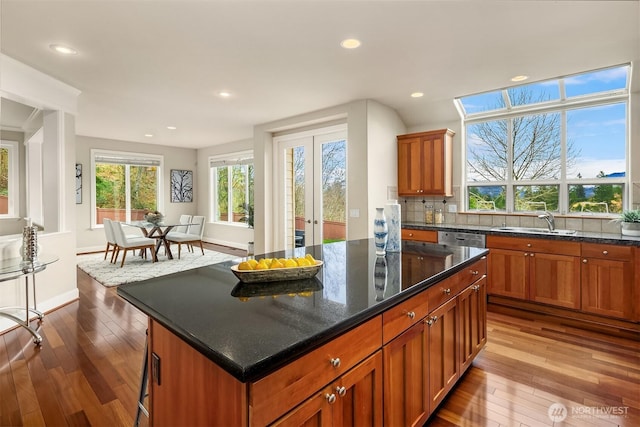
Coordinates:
126 160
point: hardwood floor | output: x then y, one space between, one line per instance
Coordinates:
88 369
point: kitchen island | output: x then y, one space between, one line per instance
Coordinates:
227 353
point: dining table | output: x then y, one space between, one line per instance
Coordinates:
157 231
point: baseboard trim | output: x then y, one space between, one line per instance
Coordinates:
45 307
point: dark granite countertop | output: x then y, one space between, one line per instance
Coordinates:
252 330
579 236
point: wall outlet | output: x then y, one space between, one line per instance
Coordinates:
452 208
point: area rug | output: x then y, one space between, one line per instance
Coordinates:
136 268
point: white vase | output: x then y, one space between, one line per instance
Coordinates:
380 231
631 229
392 214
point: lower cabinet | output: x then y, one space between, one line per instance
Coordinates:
444 351
472 309
406 378
355 399
423 363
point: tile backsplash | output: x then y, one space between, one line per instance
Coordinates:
413 210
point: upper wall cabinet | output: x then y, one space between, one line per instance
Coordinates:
425 163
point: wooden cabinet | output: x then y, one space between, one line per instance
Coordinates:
406 380
608 280
429 236
472 308
278 393
355 399
444 350
423 363
182 382
538 270
425 163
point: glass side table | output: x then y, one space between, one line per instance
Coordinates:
16 268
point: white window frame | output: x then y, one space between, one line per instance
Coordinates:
561 106
140 159
226 160
13 201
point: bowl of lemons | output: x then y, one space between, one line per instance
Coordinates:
276 269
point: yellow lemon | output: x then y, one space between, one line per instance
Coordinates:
261 266
276 264
311 259
303 262
252 263
290 263
244 265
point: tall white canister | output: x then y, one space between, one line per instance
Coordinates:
392 213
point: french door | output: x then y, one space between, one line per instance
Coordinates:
312 171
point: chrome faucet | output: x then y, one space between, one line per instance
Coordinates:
551 221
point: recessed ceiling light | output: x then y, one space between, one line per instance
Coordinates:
172 127
224 94
350 43
65 50
519 78
417 95
148 135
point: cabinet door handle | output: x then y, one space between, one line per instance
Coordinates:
531 254
476 288
474 272
526 254
331 398
429 321
411 315
584 261
447 291
528 245
335 362
434 319
341 390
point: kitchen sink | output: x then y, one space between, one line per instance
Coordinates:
534 230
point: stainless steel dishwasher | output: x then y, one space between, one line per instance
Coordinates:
458 238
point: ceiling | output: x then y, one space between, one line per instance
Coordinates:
145 65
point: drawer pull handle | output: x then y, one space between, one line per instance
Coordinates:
411 315
474 272
528 245
584 261
410 234
335 362
447 291
341 390
531 254
605 252
331 398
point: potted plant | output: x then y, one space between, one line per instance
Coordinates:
630 221
247 214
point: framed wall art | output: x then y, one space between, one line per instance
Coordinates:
181 186
78 183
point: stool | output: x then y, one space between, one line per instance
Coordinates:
143 382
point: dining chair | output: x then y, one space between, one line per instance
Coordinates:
191 237
111 239
127 243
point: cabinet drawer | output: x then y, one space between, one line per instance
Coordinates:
452 286
277 393
527 244
404 315
430 236
592 250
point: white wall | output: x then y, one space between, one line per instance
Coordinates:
57 284
233 235
89 239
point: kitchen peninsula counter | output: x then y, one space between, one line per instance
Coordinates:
252 336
